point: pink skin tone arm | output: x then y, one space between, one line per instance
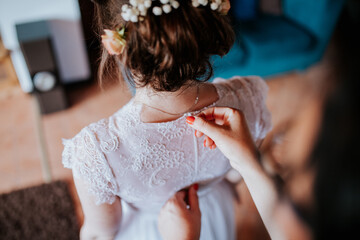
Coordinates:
100 221
226 129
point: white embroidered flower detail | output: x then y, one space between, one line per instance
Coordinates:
153 164
110 146
171 131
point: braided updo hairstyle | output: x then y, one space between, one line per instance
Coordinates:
166 51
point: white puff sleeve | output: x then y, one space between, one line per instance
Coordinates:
83 156
248 94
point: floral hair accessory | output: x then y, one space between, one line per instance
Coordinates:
222 6
137 9
114 41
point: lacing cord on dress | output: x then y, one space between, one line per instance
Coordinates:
204 187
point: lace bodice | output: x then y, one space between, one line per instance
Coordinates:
146 163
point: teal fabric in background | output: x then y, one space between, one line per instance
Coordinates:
267 45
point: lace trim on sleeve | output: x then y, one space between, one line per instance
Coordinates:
257 90
81 154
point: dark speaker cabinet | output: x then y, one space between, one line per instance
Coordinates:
35 41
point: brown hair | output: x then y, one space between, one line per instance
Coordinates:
167 51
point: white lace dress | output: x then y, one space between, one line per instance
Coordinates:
146 163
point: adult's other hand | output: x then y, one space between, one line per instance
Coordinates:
180 217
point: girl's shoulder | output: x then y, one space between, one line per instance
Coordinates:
83 154
86 153
241 83
241 92
104 130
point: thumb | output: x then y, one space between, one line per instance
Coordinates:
179 199
209 128
193 199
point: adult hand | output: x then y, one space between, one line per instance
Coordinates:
177 220
227 129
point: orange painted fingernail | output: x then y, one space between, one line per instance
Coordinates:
190 119
196 186
204 143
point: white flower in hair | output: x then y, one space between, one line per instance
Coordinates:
147 3
166 8
124 7
195 3
141 8
157 11
134 2
134 18
203 2
137 9
125 15
174 4
214 6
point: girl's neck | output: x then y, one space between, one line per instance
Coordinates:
168 106
174 103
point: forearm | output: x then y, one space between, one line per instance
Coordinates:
101 226
263 193
88 233
100 221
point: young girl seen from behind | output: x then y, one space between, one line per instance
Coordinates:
128 165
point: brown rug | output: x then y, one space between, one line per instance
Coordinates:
42 212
